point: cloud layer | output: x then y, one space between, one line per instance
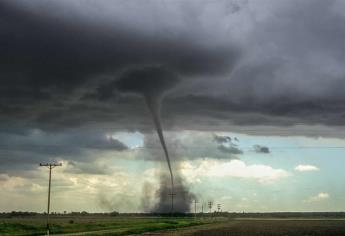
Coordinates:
69 76
305 168
238 62
319 197
234 168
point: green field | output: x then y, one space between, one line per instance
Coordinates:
177 226
105 225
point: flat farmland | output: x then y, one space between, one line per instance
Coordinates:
264 227
173 226
82 225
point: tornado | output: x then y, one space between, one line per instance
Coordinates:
151 82
154 106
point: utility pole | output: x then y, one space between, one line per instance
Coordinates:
195 202
210 203
219 207
50 167
172 201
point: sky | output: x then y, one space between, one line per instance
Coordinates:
249 95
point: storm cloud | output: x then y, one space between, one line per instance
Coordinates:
60 64
33 146
256 67
261 149
239 62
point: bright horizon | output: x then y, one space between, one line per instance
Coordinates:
292 173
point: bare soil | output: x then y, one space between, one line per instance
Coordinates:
260 227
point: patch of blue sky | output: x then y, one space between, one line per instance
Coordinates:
290 193
131 139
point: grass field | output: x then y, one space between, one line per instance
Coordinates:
183 226
106 225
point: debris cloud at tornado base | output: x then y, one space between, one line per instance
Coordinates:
154 106
182 196
151 82
158 200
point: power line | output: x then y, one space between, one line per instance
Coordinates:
50 166
42 147
252 148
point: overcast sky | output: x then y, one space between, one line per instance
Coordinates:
251 95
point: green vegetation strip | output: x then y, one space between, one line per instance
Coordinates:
107 225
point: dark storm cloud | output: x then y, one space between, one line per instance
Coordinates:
72 71
151 81
261 149
70 66
239 63
48 57
222 139
189 146
226 145
37 140
35 146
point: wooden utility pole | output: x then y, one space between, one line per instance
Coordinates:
195 202
210 203
219 206
172 202
50 167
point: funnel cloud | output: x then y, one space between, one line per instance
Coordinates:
151 82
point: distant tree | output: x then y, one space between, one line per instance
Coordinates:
114 213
